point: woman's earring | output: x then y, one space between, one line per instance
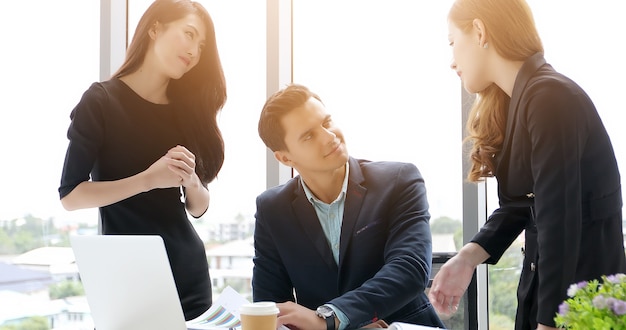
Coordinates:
152 31
486 45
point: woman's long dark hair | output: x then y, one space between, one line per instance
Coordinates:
199 94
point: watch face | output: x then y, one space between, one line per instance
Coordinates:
324 311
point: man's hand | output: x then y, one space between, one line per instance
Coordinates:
380 324
295 316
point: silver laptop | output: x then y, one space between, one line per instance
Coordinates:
128 282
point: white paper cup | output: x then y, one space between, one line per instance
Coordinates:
260 315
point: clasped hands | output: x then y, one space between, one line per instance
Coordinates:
177 167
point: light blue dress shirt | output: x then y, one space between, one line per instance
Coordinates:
331 217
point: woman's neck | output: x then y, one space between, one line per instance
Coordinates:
151 87
506 73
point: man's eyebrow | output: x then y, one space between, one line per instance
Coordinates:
308 131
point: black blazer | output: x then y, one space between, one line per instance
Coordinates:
557 179
385 249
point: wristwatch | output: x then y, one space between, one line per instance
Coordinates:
327 314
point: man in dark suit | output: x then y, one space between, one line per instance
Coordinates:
346 242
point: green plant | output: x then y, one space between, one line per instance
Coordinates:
595 305
66 289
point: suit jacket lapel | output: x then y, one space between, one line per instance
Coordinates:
527 70
354 200
306 216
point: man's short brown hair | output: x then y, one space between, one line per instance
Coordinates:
276 107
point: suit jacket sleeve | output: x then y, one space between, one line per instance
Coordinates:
270 280
502 228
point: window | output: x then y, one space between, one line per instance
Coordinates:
389 86
383 71
49 64
50 57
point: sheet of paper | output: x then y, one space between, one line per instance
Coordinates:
223 314
408 326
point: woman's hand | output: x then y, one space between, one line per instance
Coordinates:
183 163
177 167
454 277
449 285
159 175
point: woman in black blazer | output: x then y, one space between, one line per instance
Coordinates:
540 135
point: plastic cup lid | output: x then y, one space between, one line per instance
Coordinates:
259 308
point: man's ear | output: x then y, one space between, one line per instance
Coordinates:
282 157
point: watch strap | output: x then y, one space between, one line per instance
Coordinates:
330 322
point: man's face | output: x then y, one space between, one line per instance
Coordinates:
314 143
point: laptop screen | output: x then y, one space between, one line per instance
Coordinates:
128 282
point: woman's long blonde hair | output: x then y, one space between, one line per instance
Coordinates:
512 33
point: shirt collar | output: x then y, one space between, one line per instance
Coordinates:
344 187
